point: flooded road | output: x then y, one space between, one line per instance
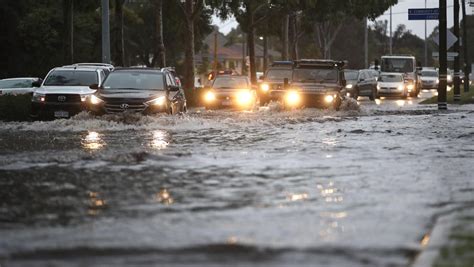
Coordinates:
222 188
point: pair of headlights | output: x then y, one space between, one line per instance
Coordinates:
244 97
39 97
293 98
160 101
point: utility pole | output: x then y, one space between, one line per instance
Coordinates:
105 32
366 43
457 89
391 41
464 44
243 55
215 51
443 57
426 41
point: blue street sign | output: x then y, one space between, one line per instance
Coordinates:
423 14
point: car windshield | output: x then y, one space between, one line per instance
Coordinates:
315 75
230 83
275 74
429 73
391 78
17 83
351 75
134 80
71 78
397 65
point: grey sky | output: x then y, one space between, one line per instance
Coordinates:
400 16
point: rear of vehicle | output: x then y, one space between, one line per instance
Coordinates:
230 91
429 79
64 92
392 84
145 91
272 87
316 83
405 65
360 83
16 86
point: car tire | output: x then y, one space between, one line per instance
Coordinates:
373 96
356 93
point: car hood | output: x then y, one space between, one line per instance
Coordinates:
429 78
83 90
387 84
131 94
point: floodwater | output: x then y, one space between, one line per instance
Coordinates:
226 188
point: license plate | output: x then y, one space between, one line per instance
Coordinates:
226 103
61 114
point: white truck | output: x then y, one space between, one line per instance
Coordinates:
406 65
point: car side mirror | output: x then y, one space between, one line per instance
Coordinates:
94 86
173 88
344 83
36 84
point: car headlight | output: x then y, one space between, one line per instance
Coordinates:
437 81
84 98
450 78
209 97
37 97
265 87
160 101
410 87
244 98
378 87
329 99
401 87
349 86
293 98
94 100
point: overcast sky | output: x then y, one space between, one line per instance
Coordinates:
399 16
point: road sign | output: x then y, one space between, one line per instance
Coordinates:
451 55
450 39
423 14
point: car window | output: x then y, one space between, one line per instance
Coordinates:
26 83
315 75
134 80
278 74
230 82
391 78
351 75
169 80
429 73
71 78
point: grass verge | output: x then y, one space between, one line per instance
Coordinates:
466 98
15 107
459 250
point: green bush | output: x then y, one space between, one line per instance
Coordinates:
15 107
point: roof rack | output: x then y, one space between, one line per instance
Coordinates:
320 63
282 63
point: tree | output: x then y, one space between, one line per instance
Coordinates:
68 31
160 55
191 11
119 42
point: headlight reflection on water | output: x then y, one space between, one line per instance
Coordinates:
159 140
93 141
164 197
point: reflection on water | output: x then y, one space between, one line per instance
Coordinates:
426 239
297 197
164 197
159 140
92 141
400 103
378 102
330 193
96 203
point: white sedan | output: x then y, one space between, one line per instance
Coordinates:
18 86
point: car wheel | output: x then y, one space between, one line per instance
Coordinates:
373 95
356 93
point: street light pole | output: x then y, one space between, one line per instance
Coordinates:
391 31
426 42
443 57
105 32
464 44
366 44
457 90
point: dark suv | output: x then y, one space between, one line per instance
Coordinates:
272 86
361 83
316 83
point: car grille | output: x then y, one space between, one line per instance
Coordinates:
389 88
123 107
63 98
